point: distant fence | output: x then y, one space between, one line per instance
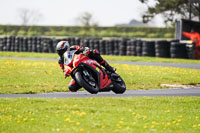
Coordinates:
129 47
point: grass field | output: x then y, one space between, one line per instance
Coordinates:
23 76
107 57
100 115
95 115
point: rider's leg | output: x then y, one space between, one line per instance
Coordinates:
73 86
96 55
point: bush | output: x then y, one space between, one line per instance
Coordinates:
74 31
21 33
168 35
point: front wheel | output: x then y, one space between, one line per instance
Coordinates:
86 80
119 84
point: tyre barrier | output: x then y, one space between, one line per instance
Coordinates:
148 48
190 48
86 43
77 41
130 47
122 46
109 47
91 44
1 44
82 43
8 43
96 44
138 48
106 47
102 49
162 49
115 47
178 50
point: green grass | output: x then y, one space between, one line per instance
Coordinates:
29 54
107 57
139 114
149 59
23 76
100 115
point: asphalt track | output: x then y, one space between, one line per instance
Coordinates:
129 93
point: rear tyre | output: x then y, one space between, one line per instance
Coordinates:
87 82
119 84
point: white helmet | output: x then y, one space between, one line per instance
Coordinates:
62 47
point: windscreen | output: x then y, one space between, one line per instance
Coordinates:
69 55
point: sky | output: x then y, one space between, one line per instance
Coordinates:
66 12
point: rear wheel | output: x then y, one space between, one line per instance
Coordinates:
119 84
87 81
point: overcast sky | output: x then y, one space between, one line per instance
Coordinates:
65 12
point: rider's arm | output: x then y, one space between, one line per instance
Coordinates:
80 50
186 34
93 54
76 47
61 62
66 69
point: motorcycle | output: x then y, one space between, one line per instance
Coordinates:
91 76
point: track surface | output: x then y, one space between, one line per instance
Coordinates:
128 93
179 65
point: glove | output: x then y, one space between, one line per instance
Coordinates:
66 75
67 71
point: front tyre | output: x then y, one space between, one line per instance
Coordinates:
87 81
119 84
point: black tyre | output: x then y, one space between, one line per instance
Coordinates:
119 84
139 48
178 50
96 44
122 47
87 82
148 48
102 47
116 47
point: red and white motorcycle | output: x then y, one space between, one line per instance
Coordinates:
91 76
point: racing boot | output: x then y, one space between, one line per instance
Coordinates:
73 86
108 67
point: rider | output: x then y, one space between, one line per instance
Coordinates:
195 37
63 46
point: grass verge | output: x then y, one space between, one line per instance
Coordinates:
23 76
28 54
107 57
124 115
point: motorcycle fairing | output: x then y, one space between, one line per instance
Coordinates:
69 57
103 80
